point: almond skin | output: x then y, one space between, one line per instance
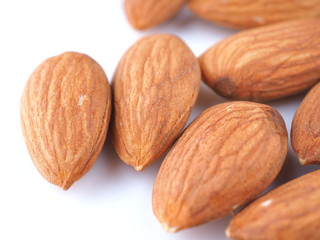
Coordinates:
224 159
305 138
247 13
155 87
289 212
65 112
144 14
265 63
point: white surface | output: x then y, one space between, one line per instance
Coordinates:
112 201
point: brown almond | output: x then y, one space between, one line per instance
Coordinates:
224 159
289 212
143 14
155 87
265 63
247 13
65 111
305 132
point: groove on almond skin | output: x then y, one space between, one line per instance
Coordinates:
265 63
65 112
294 213
143 14
155 87
247 13
305 133
213 165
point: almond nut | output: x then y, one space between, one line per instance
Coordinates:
224 159
265 63
247 13
289 212
305 139
155 87
65 111
143 14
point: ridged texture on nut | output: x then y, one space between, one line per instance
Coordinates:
289 212
265 63
305 131
247 13
143 14
225 158
65 111
155 87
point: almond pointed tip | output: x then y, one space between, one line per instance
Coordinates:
169 228
139 26
65 185
139 168
228 232
64 188
302 161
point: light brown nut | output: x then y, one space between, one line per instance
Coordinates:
289 212
155 87
247 13
143 14
225 158
305 131
265 63
65 112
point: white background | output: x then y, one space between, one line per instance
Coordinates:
112 201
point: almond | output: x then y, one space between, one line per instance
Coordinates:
65 111
247 13
143 14
305 130
289 212
155 87
265 63
224 159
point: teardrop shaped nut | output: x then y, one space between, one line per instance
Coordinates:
144 14
289 212
305 131
65 112
154 87
228 156
265 63
243 14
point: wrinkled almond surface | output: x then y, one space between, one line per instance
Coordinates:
225 158
289 212
305 131
155 87
143 14
265 63
248 13
65 111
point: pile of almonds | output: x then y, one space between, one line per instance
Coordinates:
230 153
